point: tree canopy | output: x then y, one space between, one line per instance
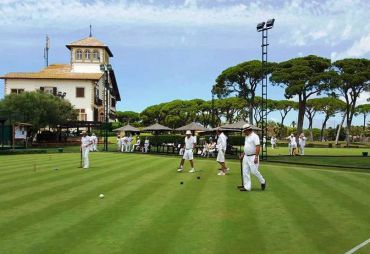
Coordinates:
39 109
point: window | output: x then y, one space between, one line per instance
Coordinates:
16 91
82 116
80 92
87 54
96 55
79 54
113 103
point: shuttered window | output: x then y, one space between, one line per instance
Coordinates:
80 92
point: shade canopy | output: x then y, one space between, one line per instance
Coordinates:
157 127
238 126
127 128
193 127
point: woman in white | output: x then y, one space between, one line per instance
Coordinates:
293 144
221 148
302 143
188 153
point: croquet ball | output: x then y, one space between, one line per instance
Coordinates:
181 182
56 168
198 177
101 196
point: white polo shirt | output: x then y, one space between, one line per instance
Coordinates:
86 142
302 141
189 142
222 142
250 143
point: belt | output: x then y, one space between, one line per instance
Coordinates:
250 154
189 149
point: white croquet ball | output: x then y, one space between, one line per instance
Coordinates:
101 196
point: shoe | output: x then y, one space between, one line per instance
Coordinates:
180 169
192 170
228 169
263 186
243 189
221 173
86 168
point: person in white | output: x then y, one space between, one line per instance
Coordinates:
146 145
94 146
221 147
123 143
264 140
128 144
273 142
251 159
86 143
188 153
302 143
137 145
292 144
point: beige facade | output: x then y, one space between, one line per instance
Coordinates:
81 82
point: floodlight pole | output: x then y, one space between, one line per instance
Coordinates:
263 28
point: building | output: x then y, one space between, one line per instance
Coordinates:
81 82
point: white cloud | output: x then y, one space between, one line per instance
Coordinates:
298 23
358 49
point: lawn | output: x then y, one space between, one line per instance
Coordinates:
49 205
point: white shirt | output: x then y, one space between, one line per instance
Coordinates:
250 143
86 142
273 141
146 142
189 142
302 141
292 140
222 142
94 139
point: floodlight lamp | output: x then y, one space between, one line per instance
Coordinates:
260 26
270 23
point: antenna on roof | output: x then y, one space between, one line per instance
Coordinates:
46 51
90 31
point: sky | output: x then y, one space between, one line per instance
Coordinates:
175 49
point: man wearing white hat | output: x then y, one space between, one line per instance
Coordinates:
86 143
221 148
251 159
188 153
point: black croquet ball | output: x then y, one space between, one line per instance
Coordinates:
56 168
198 177
181 182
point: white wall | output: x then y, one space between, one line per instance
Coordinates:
67 86
86 67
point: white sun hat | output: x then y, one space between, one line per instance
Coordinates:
188 132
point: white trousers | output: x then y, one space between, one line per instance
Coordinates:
302 150
85 157
250 167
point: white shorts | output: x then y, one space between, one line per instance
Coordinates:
293 145
188 155
220 156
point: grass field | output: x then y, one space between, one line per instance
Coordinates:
147 210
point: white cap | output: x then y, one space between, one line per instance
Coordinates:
247 126
188 132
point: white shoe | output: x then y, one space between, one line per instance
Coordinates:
180 169
192 170
221 173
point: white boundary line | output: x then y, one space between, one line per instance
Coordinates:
358 247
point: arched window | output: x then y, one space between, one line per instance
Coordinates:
96 55
79 54
87 54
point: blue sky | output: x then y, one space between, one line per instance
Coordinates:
174 49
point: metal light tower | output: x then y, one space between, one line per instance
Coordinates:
264 27
46 51
106 68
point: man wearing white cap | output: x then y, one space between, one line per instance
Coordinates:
221 147
86 143
188 153
251 159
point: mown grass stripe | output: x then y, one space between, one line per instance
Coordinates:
50 176
34 193
63 199
301 203
96 219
